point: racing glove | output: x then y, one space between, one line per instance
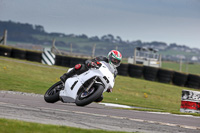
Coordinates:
92 65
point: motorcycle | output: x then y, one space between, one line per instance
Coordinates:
82 89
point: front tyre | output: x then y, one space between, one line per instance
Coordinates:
83 99
52 94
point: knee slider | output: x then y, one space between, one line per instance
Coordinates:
78 66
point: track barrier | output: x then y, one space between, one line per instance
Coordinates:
179 78
164 76
34 56
48 57
5 51
135 70
190 101
193 81
18 53
150 73
123 69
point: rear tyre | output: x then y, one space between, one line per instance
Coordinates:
52 94
96 92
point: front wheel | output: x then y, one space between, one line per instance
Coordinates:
85 98
52 94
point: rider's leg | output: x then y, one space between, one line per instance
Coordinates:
67 75
78 69
82 69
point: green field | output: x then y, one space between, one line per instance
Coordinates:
185 68
15 126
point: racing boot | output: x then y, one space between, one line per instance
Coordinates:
76 70
67 75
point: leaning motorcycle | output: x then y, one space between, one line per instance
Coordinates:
82 89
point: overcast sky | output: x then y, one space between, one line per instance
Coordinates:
170 21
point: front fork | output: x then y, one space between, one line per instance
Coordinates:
91 84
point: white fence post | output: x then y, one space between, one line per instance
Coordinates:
5 38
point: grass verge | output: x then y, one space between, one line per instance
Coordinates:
15 126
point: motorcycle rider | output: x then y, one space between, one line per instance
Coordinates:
112 60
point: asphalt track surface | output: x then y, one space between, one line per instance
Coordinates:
33 108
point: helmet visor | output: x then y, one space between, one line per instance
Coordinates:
114 61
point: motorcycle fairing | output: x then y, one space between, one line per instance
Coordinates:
73 84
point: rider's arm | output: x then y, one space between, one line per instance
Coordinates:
100 58
89 61
92 62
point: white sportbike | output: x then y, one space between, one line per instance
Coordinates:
83 89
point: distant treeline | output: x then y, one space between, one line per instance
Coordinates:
21 32
36 34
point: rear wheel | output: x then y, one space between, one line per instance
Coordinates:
87 97
52 94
